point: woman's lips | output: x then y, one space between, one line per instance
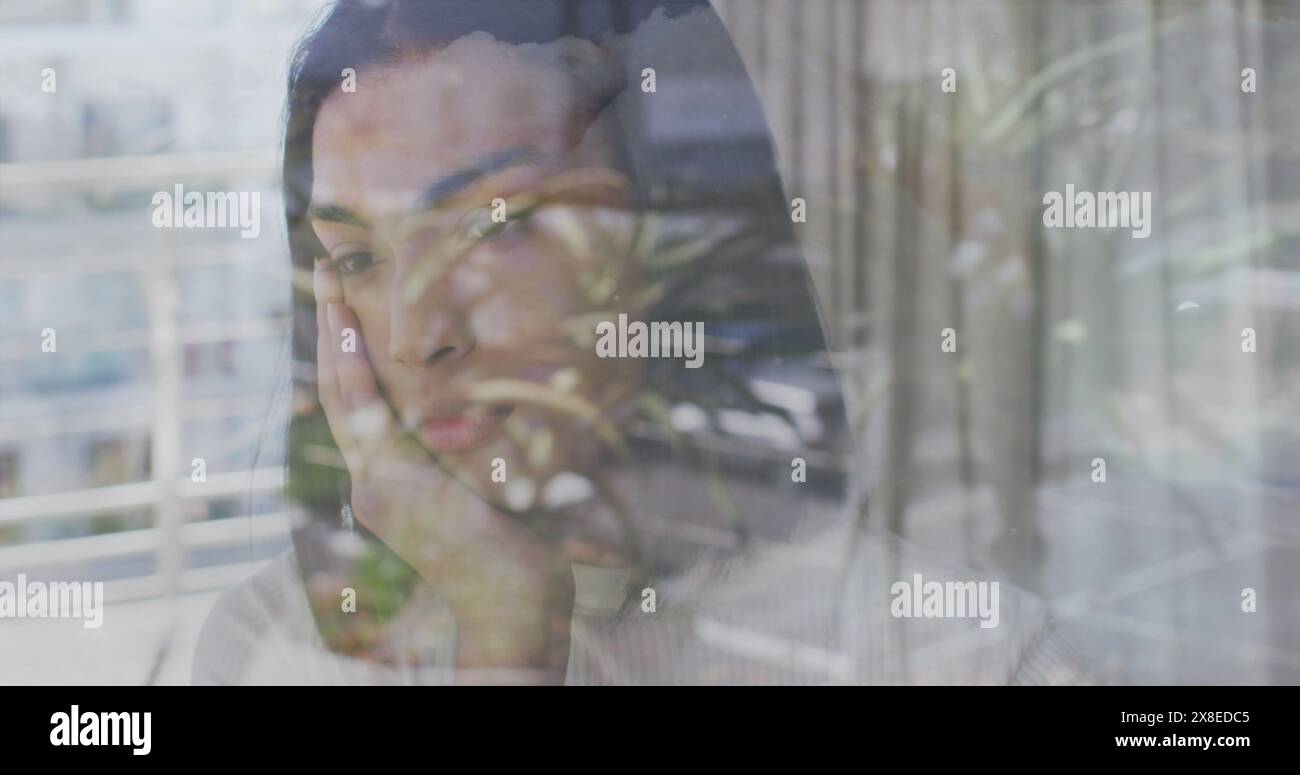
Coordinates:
465 430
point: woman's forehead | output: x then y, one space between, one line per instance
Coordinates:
424 119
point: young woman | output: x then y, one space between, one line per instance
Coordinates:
495 474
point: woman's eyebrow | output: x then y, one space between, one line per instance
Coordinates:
441 190
447 187
336 214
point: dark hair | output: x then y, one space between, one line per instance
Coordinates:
754 280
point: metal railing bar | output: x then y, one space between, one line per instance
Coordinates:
151 167
139 338
122 418
134 495
206 534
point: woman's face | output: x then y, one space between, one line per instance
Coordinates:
475 328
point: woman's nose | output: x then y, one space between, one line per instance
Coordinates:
428 330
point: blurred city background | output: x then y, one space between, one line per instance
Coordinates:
924 213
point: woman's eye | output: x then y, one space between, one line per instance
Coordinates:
355 262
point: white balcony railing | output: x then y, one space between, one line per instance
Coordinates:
170 490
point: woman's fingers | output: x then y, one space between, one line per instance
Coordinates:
327 381
356 377
328 349
367 420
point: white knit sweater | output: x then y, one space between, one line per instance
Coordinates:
803 613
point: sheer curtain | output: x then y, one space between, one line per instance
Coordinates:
1107 419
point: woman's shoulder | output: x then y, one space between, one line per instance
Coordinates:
263 631
270 606
951 623
869 607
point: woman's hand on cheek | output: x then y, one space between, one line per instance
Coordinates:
511 593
